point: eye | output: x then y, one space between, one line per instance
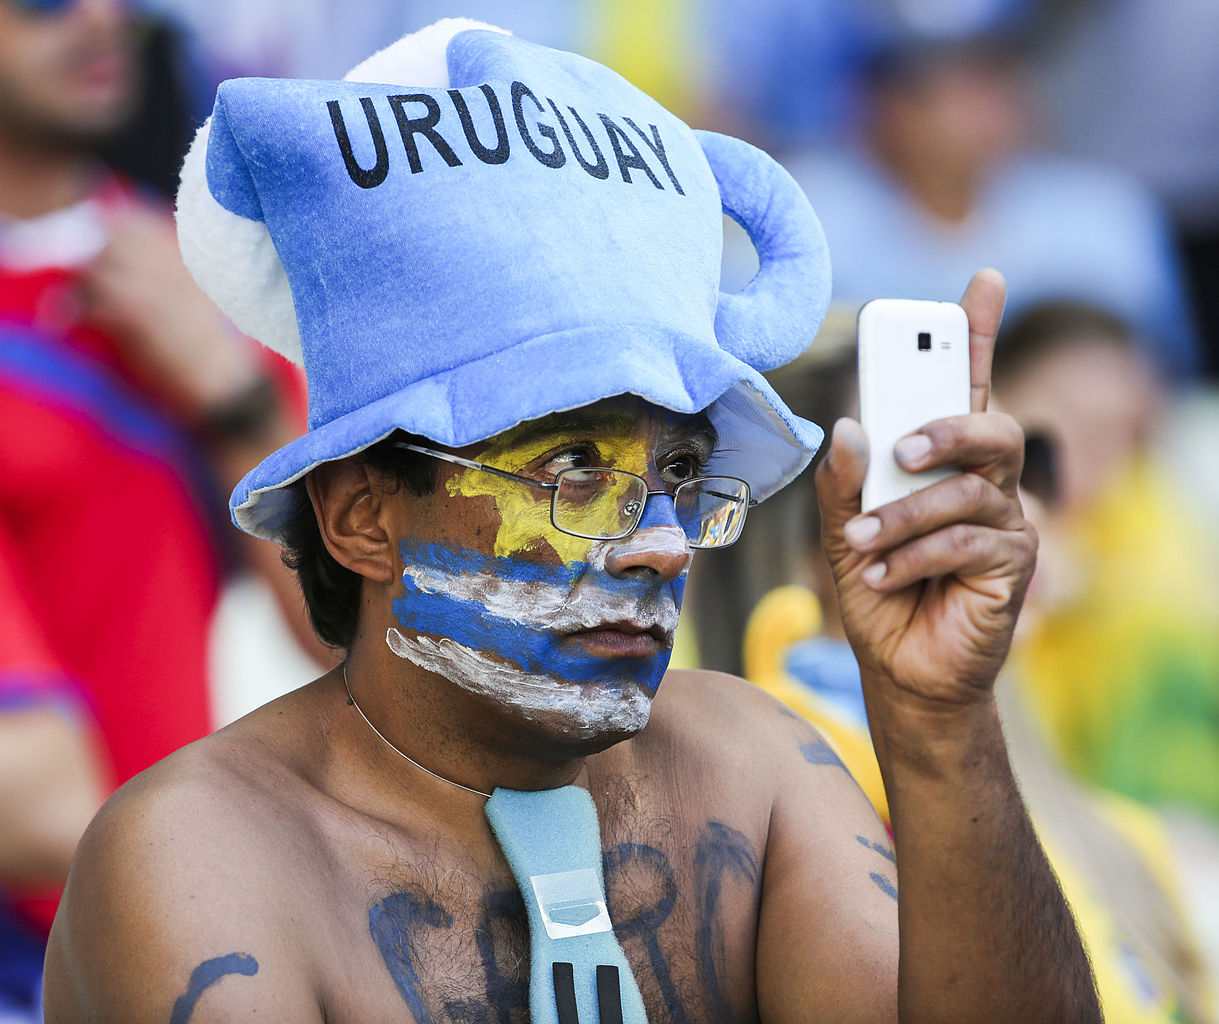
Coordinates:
681 466
572 456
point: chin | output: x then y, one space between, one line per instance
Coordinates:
557 736
89 125
572 719
561 716
597 716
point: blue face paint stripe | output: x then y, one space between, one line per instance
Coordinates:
455 561
533 651
440 559
659 511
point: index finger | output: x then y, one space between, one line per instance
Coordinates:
983 304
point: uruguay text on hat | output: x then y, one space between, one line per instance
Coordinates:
471 230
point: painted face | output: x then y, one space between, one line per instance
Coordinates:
570 631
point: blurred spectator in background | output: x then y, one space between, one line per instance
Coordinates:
1135 83
123 397
1123 666
786 70
1120 665
942 179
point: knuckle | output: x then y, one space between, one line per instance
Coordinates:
978 491
1006 428
898 517
963 540
1029 542
947 433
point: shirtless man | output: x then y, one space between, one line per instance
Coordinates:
505 587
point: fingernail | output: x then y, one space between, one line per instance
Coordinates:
849 434
913 449
860 532
874 574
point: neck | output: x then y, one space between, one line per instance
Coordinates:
40 177
942 196
947 190
421 728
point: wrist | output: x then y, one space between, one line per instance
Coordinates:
933 740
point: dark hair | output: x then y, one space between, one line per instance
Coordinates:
332 591
1045 327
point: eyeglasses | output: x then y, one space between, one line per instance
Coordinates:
598 503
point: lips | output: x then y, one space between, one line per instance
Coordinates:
623 639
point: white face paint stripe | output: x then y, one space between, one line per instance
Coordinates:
538 605
583 710
541 606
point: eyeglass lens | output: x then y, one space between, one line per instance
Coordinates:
606 504
598 502
712 510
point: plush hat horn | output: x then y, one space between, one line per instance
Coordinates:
471 231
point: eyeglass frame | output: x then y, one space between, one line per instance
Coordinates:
457 460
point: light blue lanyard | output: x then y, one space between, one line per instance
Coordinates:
578 972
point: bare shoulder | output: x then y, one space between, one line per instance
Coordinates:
702 710
699 701
164 916
725 733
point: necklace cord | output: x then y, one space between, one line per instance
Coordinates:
352 701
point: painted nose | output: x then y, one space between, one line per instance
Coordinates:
657 549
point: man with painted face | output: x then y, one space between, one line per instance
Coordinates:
529 403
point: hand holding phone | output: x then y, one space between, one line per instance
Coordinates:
913 368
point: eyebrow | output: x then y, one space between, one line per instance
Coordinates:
693 427
561 425
696 428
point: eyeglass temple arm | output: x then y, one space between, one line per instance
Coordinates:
749 503
457 460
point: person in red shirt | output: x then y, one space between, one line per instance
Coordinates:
124 396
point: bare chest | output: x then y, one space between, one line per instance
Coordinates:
435 941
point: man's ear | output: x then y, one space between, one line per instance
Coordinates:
348 507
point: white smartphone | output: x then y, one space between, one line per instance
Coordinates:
913 368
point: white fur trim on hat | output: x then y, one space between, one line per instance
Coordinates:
233 258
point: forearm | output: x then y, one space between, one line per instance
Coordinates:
985 932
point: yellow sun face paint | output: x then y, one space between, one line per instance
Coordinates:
525 511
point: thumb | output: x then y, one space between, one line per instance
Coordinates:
839 482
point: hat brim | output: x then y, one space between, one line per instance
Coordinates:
760 439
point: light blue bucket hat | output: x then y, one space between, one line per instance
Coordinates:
471 230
